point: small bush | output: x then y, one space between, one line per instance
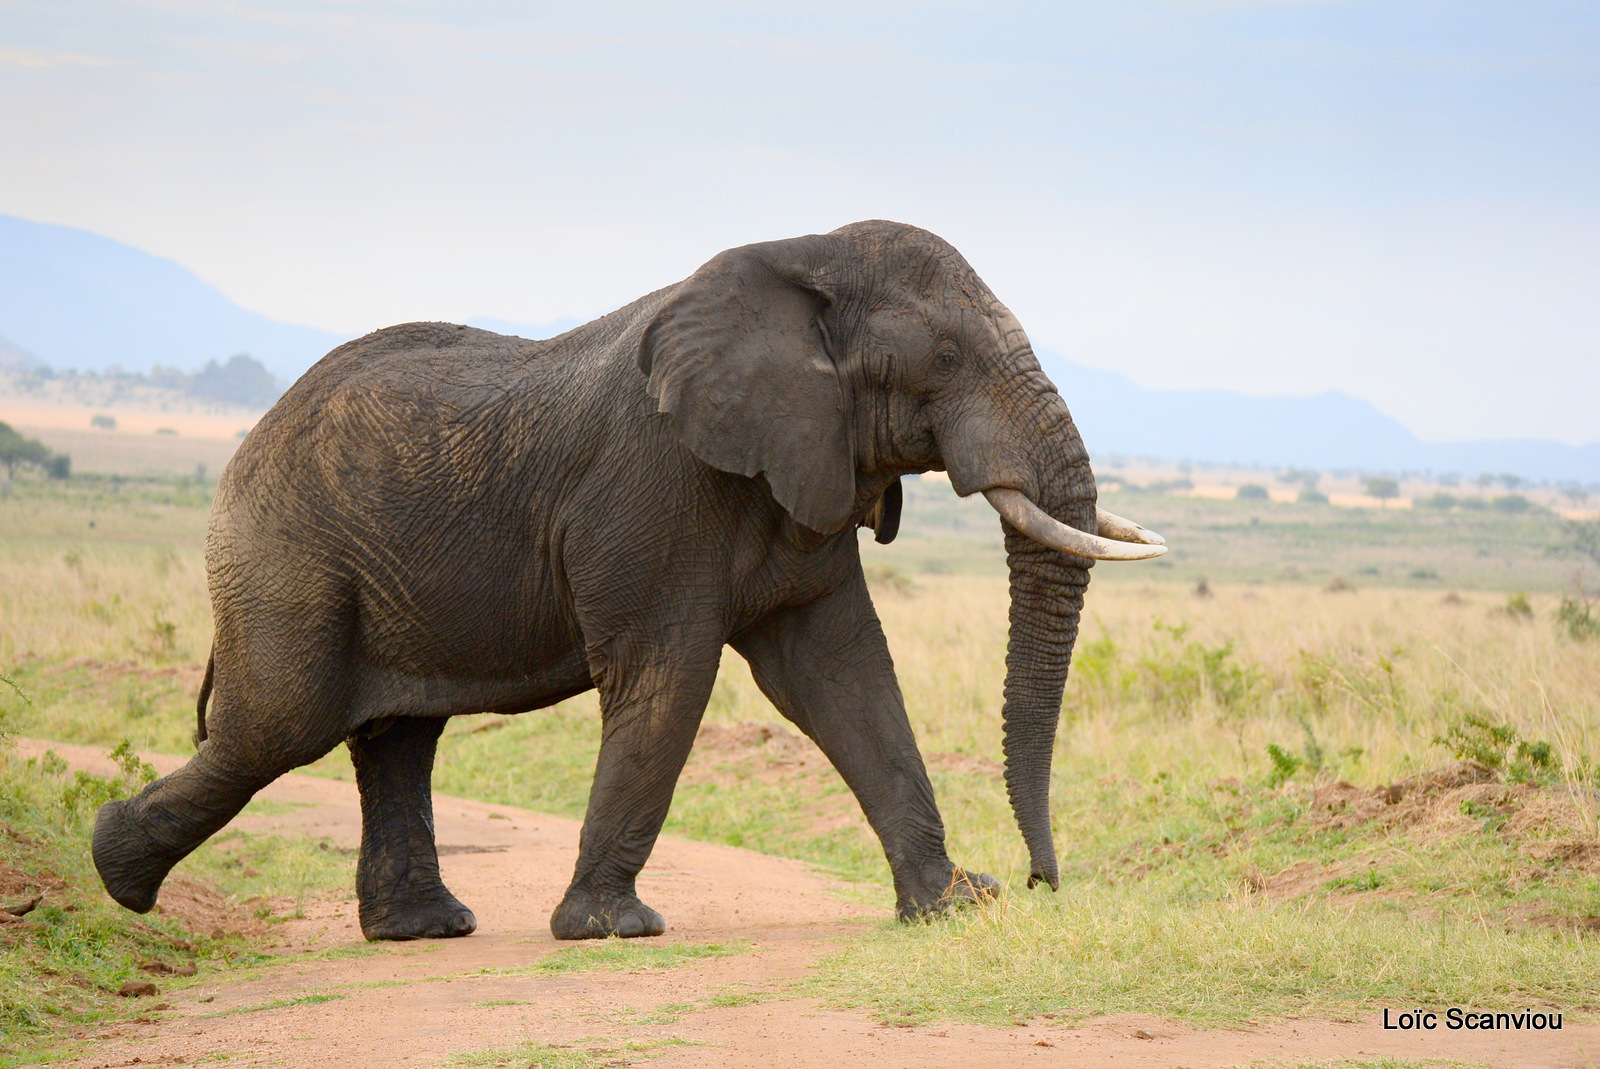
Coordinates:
1579 618
1511 503
88 792
1284 765
1440 500
1517 606
1168 486
1188 675
1501 747
1253 492
1312 496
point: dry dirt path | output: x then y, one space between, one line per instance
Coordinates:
415 1004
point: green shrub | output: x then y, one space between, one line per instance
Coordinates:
1511 503
1518 606
1578 617
1475 737
1284 765
1253 492
1184 676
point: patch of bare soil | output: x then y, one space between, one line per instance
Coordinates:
202 908
363 1006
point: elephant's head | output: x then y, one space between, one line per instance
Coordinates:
833 364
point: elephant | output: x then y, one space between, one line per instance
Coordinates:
437 520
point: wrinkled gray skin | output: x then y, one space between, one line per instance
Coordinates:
437 520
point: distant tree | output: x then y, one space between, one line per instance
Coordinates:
1575 493
1382 487
103 423
1450 478
16 449
1306 477
242 380
1510 481
1439 500
169 378
1253 492
1310 495
1583 539
1485 481
1511 503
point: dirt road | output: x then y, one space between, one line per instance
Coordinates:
415 1004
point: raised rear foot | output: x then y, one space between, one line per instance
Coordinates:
130 865
431 914
588 915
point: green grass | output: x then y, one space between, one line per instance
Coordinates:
1233 541
583 1054
624 955
280 1004
1094 949
64 962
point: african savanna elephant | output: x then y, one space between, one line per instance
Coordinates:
437 520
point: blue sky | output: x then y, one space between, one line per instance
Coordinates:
1398 200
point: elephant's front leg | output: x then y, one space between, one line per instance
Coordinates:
826 666
652 700
398 888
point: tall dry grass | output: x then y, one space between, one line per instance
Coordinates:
113 601
1166 681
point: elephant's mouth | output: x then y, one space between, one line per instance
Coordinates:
1119 539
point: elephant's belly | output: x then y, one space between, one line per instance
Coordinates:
386 691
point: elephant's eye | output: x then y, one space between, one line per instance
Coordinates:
946 356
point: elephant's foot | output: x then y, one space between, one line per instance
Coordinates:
421 913
129 862
944 887
590 915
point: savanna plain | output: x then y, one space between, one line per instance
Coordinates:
1320 763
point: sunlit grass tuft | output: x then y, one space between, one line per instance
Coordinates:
1094 949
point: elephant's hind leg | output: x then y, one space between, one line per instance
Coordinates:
397 880
137 840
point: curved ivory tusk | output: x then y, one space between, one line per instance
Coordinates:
1015 508
1114 526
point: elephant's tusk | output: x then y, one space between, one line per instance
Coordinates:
1015 508
1114 526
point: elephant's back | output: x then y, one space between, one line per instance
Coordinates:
427 427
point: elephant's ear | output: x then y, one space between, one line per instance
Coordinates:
739 359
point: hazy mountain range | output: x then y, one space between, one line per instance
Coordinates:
74 299
69 298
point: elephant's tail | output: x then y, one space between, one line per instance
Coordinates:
205 696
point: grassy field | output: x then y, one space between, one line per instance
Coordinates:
1263 542
1258 797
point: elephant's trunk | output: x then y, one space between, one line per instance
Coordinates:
1018 446
1046 598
